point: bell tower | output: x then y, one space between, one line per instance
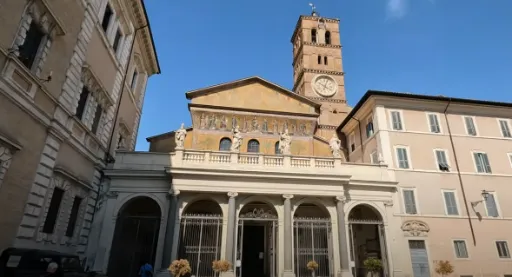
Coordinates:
318 69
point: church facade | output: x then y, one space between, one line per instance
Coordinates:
271 179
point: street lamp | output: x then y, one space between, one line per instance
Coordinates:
485 194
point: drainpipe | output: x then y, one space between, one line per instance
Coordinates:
458 172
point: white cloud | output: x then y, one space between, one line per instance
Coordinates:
396 8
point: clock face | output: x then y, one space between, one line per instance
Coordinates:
324 85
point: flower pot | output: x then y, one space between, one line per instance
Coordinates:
372 274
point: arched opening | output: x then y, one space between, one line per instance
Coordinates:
253 146
225 144
327 37
201 236
276 148
257 240
325 60
135 237
312 240
367 238
313 35
319 59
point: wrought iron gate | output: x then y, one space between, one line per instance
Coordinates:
269 220
313 242
200 242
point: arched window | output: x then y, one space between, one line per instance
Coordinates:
325 60
276 148
327 37
225 144
319 59
313 35
253 146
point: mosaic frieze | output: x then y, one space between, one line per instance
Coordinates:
248 124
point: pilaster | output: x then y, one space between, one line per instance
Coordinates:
288 262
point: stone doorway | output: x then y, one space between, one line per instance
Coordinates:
367 239
256 254
135 237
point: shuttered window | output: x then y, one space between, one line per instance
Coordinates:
502 247
505 129
442 161
433 121
409 201
450 203
491 206
396 121
470 126
482 163
402 157
460 249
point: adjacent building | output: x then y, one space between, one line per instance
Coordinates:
72 83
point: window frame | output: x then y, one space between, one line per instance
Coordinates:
135 76
456 199
102 16
42 43
328 38
402 122
455 249
473 119
438 118
96 119
314 35
507 121
497 251
374 160
445 155
86 101
225 139
53 224
118 48
369 120
416 203
475 164
498 210
253 140
397 160
352 140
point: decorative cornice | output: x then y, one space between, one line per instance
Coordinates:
13 145
69 175
326 127
146 37
331 100
93 84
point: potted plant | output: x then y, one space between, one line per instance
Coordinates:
180 268
373 267
221 266
444 268
312 266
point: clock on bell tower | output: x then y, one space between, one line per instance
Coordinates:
318 70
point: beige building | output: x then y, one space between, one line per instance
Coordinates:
72 83
261 179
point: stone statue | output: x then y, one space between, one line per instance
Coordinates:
285 140
335 144
237 140
179 136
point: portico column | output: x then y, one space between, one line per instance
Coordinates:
230 240
342 237
176 233
288 266
170 229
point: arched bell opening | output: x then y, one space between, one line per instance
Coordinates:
312 236
135 237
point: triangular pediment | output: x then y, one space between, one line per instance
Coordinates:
253 93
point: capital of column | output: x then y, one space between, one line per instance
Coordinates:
232 194
174 192
341 199
287 196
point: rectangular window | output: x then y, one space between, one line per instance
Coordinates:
461 251
470 126
117 39
352 142
82 101
106 17
442 161
491 206
402 157
374 157
409 201
505 128
369 127
433 121
502 247
450 203
73 217
53 211
482 162
97 117
396 121
30 47
134 79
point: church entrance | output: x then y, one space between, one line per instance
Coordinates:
257 241
135 237
367 239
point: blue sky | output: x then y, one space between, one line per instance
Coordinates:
459 48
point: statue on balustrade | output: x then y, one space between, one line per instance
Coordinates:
285 140
335 144
179 136
237 140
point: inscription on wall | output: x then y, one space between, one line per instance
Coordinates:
248 124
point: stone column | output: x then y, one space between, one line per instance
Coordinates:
230 239
288 265
342 237
176 233
169 230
